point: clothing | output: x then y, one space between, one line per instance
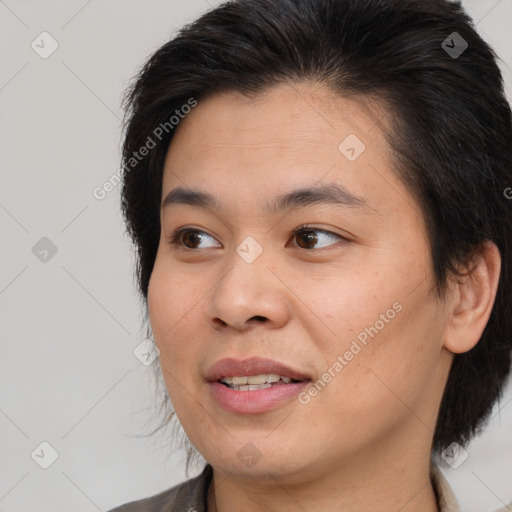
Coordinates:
191 496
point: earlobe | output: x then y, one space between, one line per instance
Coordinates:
475 294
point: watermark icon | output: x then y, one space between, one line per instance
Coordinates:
454 45
249 250
146 352
355 347
44 45
352 147
44 250
249 455
454 455
101 191
44 455
508 192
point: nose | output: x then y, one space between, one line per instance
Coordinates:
248 294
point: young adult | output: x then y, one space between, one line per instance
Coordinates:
324 248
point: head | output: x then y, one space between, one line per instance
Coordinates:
406 277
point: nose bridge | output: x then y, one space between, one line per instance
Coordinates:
248 288
247 277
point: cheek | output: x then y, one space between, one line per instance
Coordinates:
396 366
172 302
175 307
160 295
349 304
166 313
381 330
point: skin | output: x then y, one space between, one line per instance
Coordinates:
364 441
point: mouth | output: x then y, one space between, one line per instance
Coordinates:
255 371
255 382
255 385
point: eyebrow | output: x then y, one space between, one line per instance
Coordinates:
332 193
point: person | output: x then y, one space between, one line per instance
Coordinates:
316 191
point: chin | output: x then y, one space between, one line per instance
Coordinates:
245 458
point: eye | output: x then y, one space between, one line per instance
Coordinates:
184 236
188 238
306 235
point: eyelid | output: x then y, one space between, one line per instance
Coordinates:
312 227
174 237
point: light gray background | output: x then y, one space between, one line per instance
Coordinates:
68 375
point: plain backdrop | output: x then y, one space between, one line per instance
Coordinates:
70 316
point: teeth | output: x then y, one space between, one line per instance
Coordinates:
253 382
253 387
257 379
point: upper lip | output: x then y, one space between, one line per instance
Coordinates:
231 367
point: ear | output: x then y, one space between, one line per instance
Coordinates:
473 297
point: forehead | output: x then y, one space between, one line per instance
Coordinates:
290 136
286 116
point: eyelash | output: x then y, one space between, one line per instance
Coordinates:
175 238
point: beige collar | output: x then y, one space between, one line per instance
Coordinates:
446 499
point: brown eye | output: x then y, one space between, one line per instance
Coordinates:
189 238
307 238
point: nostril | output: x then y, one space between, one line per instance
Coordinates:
259 318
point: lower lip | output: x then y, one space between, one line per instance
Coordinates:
257 401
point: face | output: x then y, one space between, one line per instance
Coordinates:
344 301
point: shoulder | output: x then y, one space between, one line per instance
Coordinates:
446 498
189 495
